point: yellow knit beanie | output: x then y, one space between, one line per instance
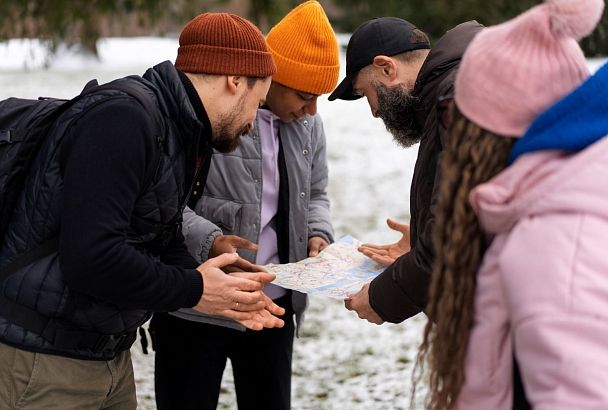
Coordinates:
305 50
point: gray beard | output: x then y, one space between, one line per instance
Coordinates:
396 108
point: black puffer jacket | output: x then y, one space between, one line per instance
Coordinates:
401 290
107 176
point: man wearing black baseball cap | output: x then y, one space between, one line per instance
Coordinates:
408 86
388 36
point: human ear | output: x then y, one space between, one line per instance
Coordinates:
387 66
233 82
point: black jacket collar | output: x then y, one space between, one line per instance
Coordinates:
444 56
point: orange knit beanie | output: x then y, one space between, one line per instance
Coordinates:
305 50
222 43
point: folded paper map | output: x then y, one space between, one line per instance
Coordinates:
339 270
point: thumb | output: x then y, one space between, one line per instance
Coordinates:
242 243
314 248
263 277
396 226
220 261
266 277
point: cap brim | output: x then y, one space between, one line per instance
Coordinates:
344 91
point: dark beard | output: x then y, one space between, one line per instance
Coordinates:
396 108
224 142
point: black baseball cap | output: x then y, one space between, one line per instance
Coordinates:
387 36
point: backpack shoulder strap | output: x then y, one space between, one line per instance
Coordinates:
131 89
90 85
150 106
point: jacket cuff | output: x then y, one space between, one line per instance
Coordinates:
325 236
388 300
194 287
207 244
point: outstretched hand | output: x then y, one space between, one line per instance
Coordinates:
237 296
387 254
230 244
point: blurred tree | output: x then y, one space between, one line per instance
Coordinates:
435 17
265 13
84 21
74 21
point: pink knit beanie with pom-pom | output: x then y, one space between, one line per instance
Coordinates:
512 72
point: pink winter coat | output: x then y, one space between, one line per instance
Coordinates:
542 289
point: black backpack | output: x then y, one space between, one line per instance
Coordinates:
24 124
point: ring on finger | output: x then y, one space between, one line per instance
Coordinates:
237 306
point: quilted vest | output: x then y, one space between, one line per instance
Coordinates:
74 324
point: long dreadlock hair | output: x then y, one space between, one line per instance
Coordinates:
472 156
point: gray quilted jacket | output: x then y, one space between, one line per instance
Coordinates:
231 203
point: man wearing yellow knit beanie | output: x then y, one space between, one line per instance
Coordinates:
270 191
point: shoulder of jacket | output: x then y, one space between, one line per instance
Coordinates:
120 105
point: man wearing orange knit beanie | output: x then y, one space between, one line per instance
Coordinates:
276 198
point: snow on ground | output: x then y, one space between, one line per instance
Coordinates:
340 362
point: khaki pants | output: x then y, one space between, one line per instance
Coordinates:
42 381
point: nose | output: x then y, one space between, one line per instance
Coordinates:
311 107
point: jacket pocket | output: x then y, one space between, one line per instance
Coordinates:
222 212
26 372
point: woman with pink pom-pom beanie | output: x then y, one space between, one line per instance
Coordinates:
521 272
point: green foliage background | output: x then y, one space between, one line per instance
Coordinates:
437 16
84 21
